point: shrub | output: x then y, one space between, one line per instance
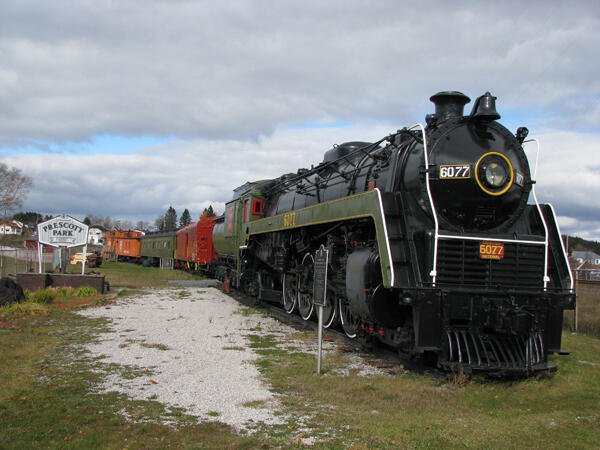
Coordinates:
28 308
43 296
65 291
86 291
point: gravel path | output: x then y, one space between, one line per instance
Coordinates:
192 341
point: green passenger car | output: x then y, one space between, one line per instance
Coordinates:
160 245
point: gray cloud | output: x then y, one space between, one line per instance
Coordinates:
196 173
226 80
237 69
186 174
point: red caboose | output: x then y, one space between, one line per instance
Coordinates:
122 244
193 245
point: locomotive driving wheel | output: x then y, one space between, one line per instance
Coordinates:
305 286
290 292
330 310
350 322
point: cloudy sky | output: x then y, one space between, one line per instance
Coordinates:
123 108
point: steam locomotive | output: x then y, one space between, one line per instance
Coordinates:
433 245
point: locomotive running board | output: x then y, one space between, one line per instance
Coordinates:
364 204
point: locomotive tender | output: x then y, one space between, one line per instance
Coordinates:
433 246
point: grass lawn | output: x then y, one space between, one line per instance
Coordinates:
136 276
48 400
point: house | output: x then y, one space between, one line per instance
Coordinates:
95 236
586 257
11 227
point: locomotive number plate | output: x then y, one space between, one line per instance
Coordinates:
455 171
491 250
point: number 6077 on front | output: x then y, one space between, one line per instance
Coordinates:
455 171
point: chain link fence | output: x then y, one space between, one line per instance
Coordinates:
15 260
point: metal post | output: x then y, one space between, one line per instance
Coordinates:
83 259
63 259
320 349
320 295
576 302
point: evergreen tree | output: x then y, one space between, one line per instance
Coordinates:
171 219
87 221
29 218
185 218
208 212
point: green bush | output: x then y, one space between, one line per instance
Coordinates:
43 296
28 308
86 291
65 291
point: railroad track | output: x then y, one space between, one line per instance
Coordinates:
379 356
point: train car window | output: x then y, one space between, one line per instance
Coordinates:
257 207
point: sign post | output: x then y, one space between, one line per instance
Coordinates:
320 295
63 232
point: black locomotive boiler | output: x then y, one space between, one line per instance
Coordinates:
437 243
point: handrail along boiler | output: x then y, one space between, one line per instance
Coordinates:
434 248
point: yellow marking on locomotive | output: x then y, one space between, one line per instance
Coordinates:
511 173
289 219
270 220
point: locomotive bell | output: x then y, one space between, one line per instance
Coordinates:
485 108
449 104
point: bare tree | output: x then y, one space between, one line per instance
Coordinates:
126 225
142 225
159 223
14 187
98 221
122 225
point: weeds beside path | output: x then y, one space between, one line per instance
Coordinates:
48 397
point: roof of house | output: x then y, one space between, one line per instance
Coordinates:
586 255
12 223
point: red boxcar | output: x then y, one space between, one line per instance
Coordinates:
122 243
193 245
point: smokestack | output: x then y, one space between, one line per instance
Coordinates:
449 104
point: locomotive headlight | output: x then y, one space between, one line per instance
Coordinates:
494 173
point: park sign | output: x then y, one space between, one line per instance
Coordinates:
63 231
